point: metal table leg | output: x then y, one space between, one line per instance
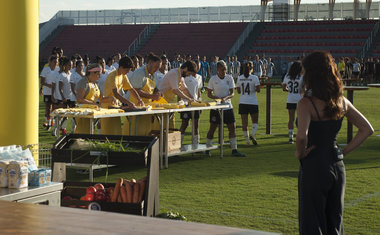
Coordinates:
161 138
268 111
91 126
221 132
192 130
166 152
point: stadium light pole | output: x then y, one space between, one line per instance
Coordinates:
19 79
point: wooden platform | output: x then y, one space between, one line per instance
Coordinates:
21 218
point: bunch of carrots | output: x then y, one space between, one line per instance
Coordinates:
129 191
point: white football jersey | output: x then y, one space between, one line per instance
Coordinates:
294 87
248 89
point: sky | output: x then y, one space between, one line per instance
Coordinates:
48 8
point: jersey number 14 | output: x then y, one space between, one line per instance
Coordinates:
246 89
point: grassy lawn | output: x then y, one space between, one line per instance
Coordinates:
260 191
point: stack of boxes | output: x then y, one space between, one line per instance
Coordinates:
18 169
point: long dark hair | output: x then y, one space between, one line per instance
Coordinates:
247 68
321 77
295 70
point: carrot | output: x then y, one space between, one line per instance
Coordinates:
135 196
143 179
119 199
123 194
125 182
142 190
116 191
128 187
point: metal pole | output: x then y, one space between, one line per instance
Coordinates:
268 113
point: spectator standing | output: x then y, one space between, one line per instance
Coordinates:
322 177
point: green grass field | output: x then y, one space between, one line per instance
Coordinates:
260 191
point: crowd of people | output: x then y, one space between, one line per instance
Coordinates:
315 91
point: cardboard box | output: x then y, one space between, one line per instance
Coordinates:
174 140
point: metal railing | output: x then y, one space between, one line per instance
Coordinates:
370 40
250 13
243 36
134 47
51 25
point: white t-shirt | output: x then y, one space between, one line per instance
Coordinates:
258 67
199 78
192 84
294 87
102 81
55 80
356 67
115 65
75 78
170 81
65 79
47 74
158 76
248 89
270 69
110 68
221 87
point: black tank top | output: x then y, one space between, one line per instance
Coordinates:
323 134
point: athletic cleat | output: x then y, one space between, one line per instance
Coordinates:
237 153
248 142
291 141
253 140
46 126
208 153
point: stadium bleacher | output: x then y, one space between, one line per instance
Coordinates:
204 39
102 40
290 39
275 39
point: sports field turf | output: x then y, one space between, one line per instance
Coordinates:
260 191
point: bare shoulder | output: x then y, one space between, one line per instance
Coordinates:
303 103
347 105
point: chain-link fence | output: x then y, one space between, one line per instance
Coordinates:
42 152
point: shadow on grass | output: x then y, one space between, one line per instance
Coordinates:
349 161
363 168
288 174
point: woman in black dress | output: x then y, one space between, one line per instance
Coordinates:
321 181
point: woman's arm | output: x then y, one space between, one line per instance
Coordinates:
229 96
72 86
52 92
257 88
60 88
304 118
284 87
81 99
238 89
364 127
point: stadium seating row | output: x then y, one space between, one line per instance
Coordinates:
329 22
287 44
305 30
299 52
312 37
